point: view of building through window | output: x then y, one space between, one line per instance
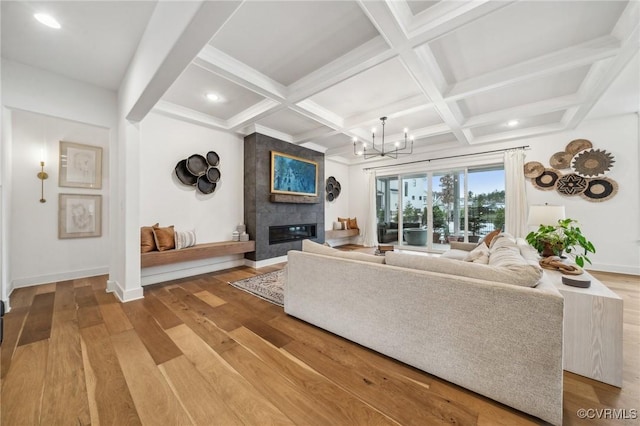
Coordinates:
434 208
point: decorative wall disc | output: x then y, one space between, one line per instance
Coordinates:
533 169
592 162
333 188
213 158
572 184
548 180
600 189
578 145
205 186
197 164
184 175
213 174
560 160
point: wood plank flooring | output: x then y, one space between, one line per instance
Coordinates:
198 351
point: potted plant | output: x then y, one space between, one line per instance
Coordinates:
552 240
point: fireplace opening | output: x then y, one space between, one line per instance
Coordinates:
286 233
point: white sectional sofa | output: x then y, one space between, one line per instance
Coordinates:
457 320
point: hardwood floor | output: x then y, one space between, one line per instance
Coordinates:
198 351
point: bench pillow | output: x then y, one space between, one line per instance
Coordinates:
184 239
147 241
526 275
312 247
164 237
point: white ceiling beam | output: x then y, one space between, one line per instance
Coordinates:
315 135
598 81
447 16
174 36
400 108
189 115
420 63
372 53
218 62
520 133
553 63
255 112
529 110
315 112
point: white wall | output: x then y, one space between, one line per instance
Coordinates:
339 207
613 226
26 88
36 254
32 89
163 199
166 141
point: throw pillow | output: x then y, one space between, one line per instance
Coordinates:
490 236
344 220
353 223
339 226
164 237
480 254
185 239
147 242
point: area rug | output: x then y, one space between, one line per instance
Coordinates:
269 286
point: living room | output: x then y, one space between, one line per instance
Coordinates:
315 94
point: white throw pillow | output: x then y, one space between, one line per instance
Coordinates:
480 254
338 226
184 239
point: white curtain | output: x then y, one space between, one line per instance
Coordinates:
370 233
515 220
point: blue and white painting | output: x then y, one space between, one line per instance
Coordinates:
293 175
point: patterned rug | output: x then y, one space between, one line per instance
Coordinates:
269 286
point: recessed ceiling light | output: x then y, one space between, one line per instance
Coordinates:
47 20
512 123
212 97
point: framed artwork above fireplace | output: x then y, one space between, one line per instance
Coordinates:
293 175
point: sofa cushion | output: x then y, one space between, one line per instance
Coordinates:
480 254
313 247
523 275
455 254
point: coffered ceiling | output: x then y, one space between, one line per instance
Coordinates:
323 72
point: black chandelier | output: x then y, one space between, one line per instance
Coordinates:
381 151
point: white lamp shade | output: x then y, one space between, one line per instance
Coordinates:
545 215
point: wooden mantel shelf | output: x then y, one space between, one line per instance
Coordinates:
197 252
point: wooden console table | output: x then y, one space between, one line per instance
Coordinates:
592 330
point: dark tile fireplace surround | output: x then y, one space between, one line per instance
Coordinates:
261 214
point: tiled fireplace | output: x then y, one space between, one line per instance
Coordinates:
262 215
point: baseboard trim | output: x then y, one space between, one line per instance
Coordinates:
122 294
256 264
617 269
62 276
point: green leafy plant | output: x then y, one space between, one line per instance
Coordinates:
566 236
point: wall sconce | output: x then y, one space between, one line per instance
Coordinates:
42 176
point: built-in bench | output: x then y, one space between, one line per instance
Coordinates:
333 234
197 252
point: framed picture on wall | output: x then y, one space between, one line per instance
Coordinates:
80 166
79 215
293 175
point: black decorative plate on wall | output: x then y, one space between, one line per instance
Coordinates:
333 188
200 172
